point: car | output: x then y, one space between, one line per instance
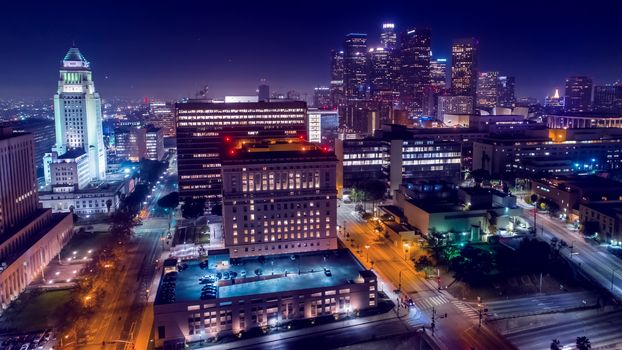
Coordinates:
242 274
25 347
327 272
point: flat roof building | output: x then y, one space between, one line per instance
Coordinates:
279 197
205 128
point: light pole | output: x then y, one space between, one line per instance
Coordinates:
406 249
367 249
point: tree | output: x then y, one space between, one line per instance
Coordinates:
372 190
556 344
583 343
534 198
108 205
170 201
193 208
122 224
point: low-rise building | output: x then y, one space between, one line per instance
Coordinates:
467 215
603 220
96 198
216 298
568 192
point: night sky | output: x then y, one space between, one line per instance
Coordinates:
169 49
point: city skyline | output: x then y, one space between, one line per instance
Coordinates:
173 52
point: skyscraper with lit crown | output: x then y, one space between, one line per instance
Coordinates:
77 115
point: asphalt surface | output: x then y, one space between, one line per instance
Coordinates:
460 329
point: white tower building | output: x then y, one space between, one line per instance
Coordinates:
78 116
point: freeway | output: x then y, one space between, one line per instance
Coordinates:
595 261
602 329
459 329
499 309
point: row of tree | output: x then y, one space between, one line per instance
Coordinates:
582 343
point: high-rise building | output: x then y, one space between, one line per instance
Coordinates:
487 90
455 105
608 98
204 128
464 67
29 236
438 73
382 75
279 197
388 36
355 67
137 143
414 67
578 94
162 115
42 131
321 98
554 104
263 92
506 97
337 92
77 113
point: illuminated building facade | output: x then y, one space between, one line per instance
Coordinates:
77 113
382 75
578 95
321 98
414 67
506 97
355 67
608 98
204 128
337 93
162 115
30 237
464 67
487 90
279 197
388 36
438 73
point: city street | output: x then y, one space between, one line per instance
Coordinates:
595 261
516 307
118 321
459 329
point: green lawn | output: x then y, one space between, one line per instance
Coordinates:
35 310
83 242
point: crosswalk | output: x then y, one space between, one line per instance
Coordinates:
466 309
430 302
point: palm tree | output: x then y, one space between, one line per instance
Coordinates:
556 344
583 343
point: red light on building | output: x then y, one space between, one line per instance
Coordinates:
232 152
301 137
227 139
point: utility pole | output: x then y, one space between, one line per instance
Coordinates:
540 282
433 319
480 310
613 271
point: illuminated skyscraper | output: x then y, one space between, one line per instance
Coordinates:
487 90
554 104
336 78
77 114
414 67
438 73
355 67
382 75
578 94
388 37
464 67
506 97
321 98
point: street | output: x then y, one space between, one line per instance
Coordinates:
118 321
595 261
460 329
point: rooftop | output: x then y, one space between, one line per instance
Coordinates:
72 153
277 273
74 54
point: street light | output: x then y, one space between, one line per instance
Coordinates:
367 248
399 286
406 248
